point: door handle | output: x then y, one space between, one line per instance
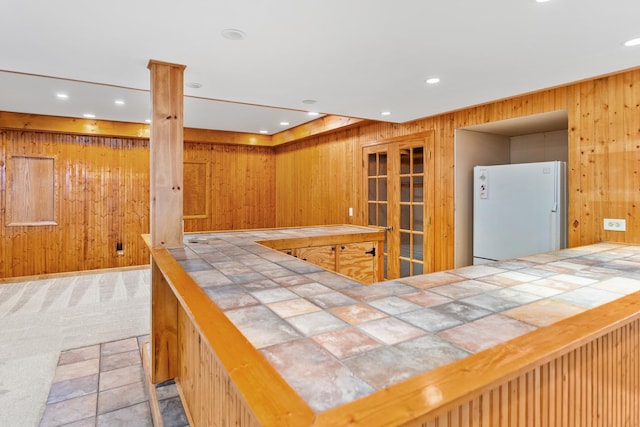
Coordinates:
372 252
389 228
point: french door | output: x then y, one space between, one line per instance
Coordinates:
399 189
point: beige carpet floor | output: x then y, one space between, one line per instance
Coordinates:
41 318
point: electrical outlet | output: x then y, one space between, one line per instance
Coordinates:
615 224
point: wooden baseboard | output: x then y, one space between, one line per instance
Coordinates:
70 274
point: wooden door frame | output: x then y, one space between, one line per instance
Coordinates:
393 191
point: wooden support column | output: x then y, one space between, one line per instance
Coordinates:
166 153
165 218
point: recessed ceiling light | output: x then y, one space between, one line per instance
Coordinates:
433 80
89 116
194 85
148 121
309 101
313 113
118 102
541 1
62 95
632 42
385 113
284 123
264 131
233 34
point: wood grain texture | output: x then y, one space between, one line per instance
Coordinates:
313 176
242 190
166 154
317 180
102 198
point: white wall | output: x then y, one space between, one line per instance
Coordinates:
540 147
472 149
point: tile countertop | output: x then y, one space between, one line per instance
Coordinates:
335 340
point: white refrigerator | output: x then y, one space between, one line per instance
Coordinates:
518 209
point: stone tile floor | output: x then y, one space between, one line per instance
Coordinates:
104 385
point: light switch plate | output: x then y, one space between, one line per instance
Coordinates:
612 224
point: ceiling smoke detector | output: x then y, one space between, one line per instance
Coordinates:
233 34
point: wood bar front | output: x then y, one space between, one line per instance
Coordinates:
583 370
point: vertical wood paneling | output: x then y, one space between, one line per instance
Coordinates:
209 392
102 198
604 162
595 385
242 190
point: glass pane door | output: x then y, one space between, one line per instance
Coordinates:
400 198
377 192
411 207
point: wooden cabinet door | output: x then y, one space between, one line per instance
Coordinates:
322 256
359 261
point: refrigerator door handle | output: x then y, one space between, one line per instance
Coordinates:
555 207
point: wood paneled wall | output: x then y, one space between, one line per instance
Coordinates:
595 385
242 190
319 178
102 198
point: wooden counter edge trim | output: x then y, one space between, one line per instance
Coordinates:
269 396
305 242
431 394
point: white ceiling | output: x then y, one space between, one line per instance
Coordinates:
356 58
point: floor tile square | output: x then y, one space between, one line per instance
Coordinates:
121 376
432 280
309 289
486 332
320 379
261 326
391 330
274 295
68 411
357 313
621 285
587 297
425 298
544 312
121 397
316 323
79 354
346 342
69 389
429 319
462 311
120 360
120 346
464 289
76 370
138 415
331 299
394 305
293 307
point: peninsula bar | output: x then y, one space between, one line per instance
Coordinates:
256 337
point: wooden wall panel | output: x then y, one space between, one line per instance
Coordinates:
595 385
604 162
102 198
242 188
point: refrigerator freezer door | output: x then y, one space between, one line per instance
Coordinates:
518 210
